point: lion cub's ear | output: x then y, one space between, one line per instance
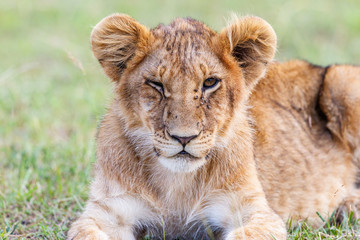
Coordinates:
340 102
115 40
252 41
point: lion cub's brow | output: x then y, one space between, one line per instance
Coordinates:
184 38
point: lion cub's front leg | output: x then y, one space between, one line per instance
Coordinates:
262 225
100 221
87 228
245 217
109 218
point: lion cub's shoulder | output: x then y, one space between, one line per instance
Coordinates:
297 80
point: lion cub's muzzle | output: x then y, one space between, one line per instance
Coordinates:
182 153
184 141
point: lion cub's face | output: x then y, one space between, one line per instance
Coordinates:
185 95
181 84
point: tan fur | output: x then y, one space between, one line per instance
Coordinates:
307 121
143 184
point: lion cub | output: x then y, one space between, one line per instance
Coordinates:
175 151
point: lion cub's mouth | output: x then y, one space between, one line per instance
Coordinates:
184 154
182 162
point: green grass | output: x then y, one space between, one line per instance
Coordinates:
347 229
53 92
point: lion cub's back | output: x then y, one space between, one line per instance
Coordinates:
301 169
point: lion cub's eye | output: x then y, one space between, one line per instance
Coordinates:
157 85
210 82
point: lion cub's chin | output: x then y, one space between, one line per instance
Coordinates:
182 163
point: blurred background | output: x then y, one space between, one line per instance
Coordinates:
53 92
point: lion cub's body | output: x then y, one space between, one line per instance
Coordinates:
303 165
175 152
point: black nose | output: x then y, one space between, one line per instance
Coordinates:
183 140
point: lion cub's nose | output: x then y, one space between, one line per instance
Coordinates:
183 140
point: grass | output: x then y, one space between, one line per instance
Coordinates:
53 92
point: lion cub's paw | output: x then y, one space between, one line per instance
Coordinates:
242 234
254 234
90 233
98 235
238 235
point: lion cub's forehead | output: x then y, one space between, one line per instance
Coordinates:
184 26
184 38
184 48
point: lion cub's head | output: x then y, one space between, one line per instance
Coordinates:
180 87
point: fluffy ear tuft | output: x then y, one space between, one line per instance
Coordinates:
252 42
115 40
